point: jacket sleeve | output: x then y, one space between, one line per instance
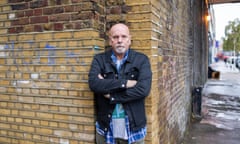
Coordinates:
103 86
140 90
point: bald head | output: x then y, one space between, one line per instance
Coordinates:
119 27
119 39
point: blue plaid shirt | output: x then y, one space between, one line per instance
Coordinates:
133 136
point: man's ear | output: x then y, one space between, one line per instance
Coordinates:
130 39
109 41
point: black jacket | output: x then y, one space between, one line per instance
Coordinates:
137 67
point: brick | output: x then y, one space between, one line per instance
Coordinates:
53 124
62 133
4 83
62 35
83 25
5 111
20 14
89 111
80 16
43 36
19 6
53 92
15 112
19 29
26 142
38 28
48 11
58 26
29 28
85 136
45 131
39 19
15 1
44 123
35 122
69 8
73 93
139 16
3 31
129 2
44 115
26 37
58 10
115 10
61 117
43 100
28 129
15 30
29 13
26 99
64 101
37 12
116 2
83 102
19 120
38 4
62 44
85 33
27 113
3 16
62 17
4 1
76 1
86 6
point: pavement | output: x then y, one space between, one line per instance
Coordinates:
220 115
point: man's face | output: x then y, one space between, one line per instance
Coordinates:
120 39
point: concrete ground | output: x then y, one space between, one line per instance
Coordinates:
220 121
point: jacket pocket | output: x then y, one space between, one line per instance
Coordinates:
108 73
133 74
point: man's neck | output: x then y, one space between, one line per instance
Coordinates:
120 57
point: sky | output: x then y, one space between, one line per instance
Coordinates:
223 14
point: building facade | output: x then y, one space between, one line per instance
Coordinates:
46 48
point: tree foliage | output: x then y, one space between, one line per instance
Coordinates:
232 36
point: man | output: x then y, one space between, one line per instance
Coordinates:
121 80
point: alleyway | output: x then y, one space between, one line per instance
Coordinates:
220 123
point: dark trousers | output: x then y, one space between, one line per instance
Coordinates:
101 140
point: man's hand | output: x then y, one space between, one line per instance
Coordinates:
100 76
107 96
131 83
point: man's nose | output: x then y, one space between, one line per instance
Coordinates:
120 39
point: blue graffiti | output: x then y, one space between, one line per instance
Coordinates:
51 54
10 49
16 53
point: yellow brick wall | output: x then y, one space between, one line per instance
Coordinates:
160 30
43 90
44 94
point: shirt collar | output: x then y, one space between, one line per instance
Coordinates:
114 58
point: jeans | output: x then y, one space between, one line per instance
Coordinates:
101 140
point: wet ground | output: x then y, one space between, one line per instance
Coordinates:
220 122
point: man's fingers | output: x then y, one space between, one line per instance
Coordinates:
100 76
107 96
131 83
